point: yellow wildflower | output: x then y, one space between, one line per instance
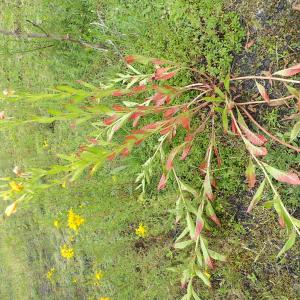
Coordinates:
207 274
50 273
45 144
104 298
56 224
64 184
16 187
99 275
141 231
66 251
11 209
74 220
74 280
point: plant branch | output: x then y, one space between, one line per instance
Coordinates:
265 78
264 102
53 37
268 133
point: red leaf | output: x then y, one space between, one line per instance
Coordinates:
256 139
281 222
117 93
138 142
159 99
290 71
130 137
198 229
209 263
234 128
125 152
171 111
93 141
136 121
185 122
189 138
139 88
130 59
166 130
285 177
110 120
290 178
203 167
215 219
257 151
186 152
168 76
216 151
118 108
111 156
162 182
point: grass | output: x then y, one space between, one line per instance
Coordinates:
133 268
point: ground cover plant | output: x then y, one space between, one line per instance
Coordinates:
85 269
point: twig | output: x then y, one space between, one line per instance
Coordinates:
265 78
65 38
264 102
268 133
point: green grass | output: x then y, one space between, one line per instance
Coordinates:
200 33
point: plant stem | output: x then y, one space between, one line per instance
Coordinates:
265 78
268 133
65 38
264 102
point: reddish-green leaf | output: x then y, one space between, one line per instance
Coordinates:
285 177
162 182
250 174
289 72
263 92
295 131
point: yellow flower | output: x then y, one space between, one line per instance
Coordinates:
74 220
141 231
66 251
74 280
11 209
64 184
16 187
207 274
104 298
50 273
45 144
56 224
99 275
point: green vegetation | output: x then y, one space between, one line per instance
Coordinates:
200 33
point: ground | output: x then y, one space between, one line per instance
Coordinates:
209 35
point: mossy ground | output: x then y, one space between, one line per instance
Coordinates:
202 33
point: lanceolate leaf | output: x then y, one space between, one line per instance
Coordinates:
203 277
206 256
286 177
295 131
198 228
207 187
162 183
211 213
289 244
256 151
289 72
182 245
257 196
250 174
216 255
263 92
225 119
190 224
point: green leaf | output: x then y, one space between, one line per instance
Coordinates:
293 91
257 196
191 225
216 255
183 234
289 244
226 82
225 119
196 297
186 187
295 131
203 277
182 245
